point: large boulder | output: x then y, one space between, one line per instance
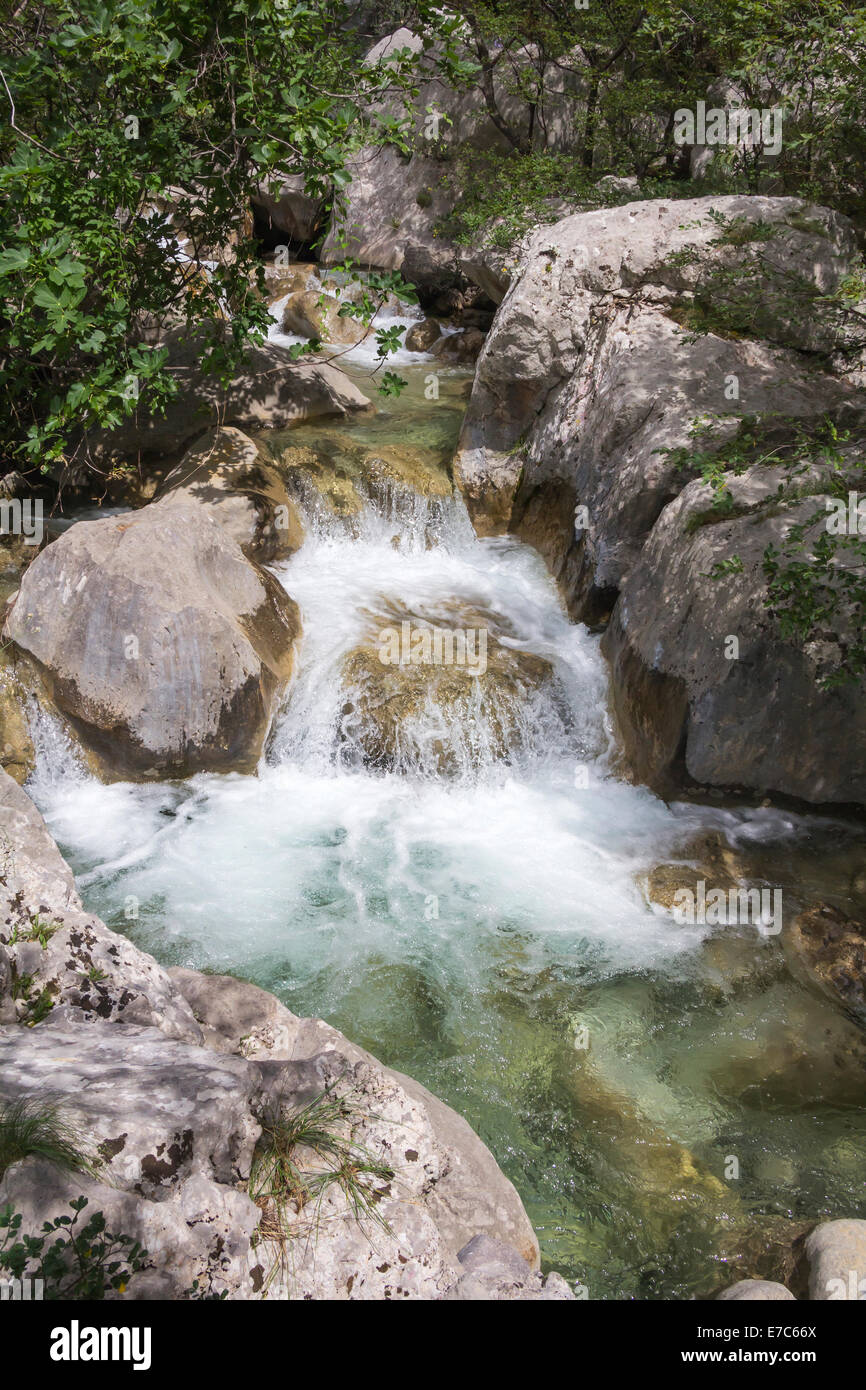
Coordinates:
416 699
161 642
175 1125
692 705
61 960
270 392
583 416
226 472
156 1110
440 1161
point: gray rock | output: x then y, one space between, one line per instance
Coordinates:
585 385
470 1194
493 1271
83 967
159 639
158 1111
836 1252
755 1290
269 392
228 474
762 720
200 1233
290 210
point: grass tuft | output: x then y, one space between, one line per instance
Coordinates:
34 1127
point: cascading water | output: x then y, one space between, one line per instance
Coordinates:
470 908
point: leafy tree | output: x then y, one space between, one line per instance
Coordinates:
133 137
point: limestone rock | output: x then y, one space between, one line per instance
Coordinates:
270 392
755 1290
836 1252
685 709
226 472
315 315
159 639
156 1110
72 959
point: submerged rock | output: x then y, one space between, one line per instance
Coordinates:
755 1290
444 692
163 644
833 947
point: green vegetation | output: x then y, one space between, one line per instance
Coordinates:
34 1127
282 1171
133 136
83 1262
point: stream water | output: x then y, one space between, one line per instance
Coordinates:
488 931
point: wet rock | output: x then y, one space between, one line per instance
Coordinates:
270 392
486 702
462 347
421 336
17 753
227 473
317 315
836 1253
834 949
755 1290
163 644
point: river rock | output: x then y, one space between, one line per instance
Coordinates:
435 1151
687 710
70 959
156 1110
17 754
315 315
836 1253
158 638
494 714
462 347
270 392
756 1290
834 948
421 336
227 473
